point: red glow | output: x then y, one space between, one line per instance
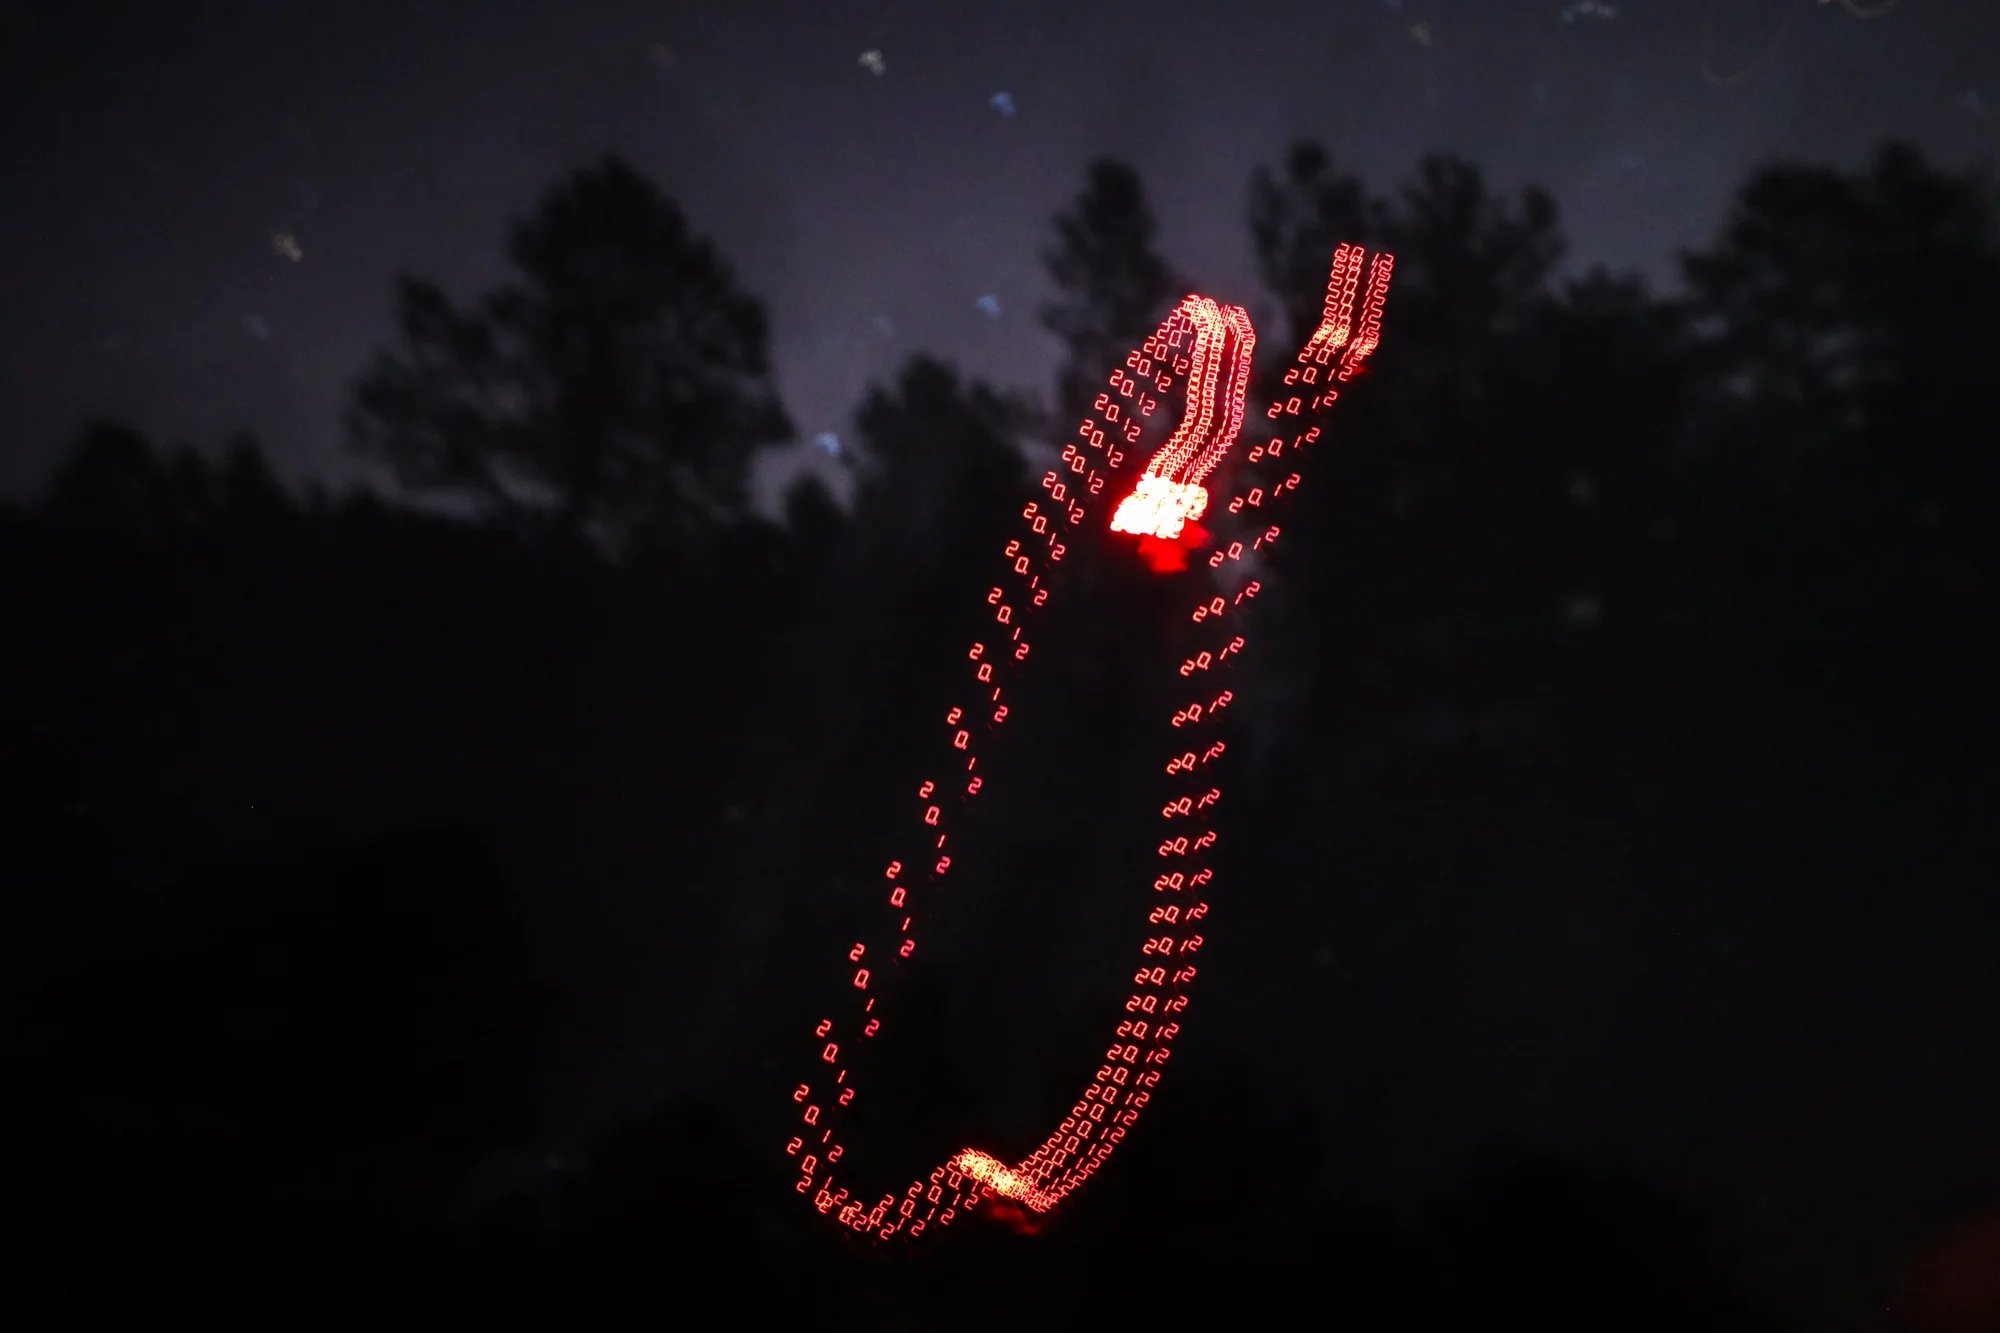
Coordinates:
1203 350
1169 555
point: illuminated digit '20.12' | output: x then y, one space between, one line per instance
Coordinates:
1203 352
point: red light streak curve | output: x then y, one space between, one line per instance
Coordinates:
1169 493
1204 350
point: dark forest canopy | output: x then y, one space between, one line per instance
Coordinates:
347 842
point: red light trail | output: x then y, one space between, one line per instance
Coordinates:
1203 350
1169 494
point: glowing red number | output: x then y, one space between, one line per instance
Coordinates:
1203 350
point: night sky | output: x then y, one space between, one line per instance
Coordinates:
156 154
207 205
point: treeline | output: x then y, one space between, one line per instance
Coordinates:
359 851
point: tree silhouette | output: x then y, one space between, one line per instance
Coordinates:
1296 221
622 379
1467 264
939 472
114 486
1823 299
1840 486
1114 286
1424 513
939 466
1114 289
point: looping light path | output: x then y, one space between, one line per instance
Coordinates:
1203 351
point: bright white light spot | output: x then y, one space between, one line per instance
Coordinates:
1159 508
1001 1178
